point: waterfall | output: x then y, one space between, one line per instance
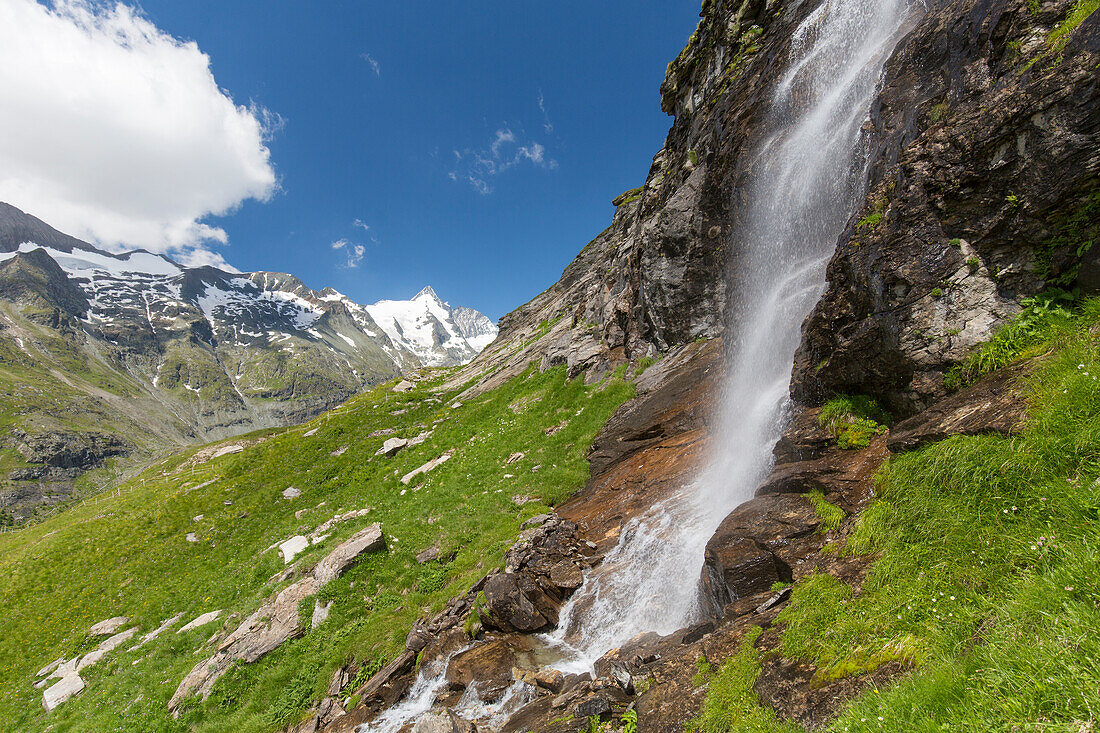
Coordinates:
806 178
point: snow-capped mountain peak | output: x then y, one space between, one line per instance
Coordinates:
426 326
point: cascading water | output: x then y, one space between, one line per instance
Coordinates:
806 179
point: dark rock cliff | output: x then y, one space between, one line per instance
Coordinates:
983 191
984 152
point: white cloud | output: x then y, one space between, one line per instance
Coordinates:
547 125
353 251
361 224
375 66
116 132
504 151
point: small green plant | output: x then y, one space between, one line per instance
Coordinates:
937 293
939 112
831 515
1059 35
853 420
693 157
731 703
1031 332
870 221
973 264
956 243
630 721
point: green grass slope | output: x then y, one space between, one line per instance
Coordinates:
127 554
987 577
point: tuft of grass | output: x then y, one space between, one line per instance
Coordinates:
731 703
1033 331
1059 35
831 515
853 420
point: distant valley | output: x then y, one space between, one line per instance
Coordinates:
106 355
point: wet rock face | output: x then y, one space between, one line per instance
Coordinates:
985 151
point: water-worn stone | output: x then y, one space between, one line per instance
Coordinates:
441 721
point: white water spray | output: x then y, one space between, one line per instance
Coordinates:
806 179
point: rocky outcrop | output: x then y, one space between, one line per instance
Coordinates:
277 619
983 191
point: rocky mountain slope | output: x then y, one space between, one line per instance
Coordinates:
156 354
921 555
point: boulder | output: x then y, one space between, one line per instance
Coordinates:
291 493
516 603
404 386
441 721
392 447
292 547
550 679
336 562
490 663
69 685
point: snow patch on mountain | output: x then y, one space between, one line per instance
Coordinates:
426 327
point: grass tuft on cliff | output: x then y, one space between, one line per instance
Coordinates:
128 554
986 577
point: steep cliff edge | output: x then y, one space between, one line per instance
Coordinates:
984 190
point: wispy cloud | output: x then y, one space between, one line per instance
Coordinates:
375 66
505 150
547 125
361 224
353 251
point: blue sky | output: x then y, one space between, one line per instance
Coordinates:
553 109
379 147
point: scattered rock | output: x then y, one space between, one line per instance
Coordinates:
70 685
276 620
157 632
404 386
192 537
49 667
105 648
320 613
391 447
429 554
535 521
515 457
198 518
291 493
310 433
108 627
521 499
429 466
339 451
292 547
202 620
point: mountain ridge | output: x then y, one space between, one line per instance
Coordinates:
207 352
